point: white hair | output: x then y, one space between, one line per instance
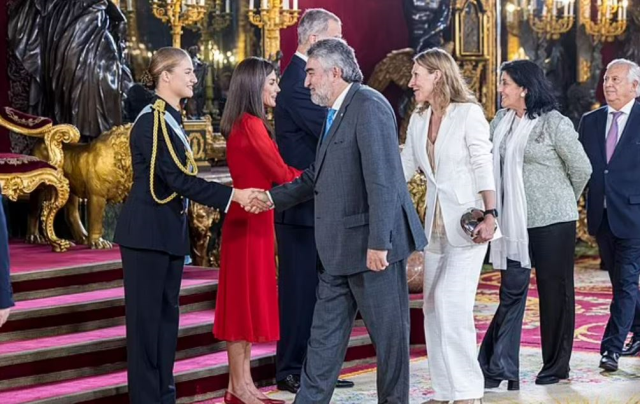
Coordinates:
314 21
634 71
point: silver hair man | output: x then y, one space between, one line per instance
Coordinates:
315 21
634 71
335 53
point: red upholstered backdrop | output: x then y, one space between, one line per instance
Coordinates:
372 28
5 144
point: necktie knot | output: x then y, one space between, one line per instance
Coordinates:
616 114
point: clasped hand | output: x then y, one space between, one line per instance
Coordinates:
485 230
252 200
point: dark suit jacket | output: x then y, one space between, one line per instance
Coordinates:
145 224
6 293
361 198
618 180
298 125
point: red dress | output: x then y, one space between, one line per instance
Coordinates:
247 302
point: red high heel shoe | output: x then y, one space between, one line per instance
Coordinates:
229 398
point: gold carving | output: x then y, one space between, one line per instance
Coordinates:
584 71
201 218
418 192
56 194
583 230
99 172
475 45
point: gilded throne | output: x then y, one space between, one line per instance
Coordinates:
21 175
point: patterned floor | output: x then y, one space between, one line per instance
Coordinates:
586 385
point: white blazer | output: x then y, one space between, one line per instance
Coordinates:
464 165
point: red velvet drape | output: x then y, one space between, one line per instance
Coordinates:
5 143
372 27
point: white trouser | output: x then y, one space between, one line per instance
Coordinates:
451 277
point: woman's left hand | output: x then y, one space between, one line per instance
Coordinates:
485 229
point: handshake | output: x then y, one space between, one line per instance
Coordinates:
252 200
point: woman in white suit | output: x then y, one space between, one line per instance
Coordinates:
448 140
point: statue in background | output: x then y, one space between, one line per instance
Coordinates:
427 21
195 105
74 52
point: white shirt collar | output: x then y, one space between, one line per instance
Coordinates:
302 56
338 103
625 110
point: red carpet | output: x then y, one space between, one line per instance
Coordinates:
34 257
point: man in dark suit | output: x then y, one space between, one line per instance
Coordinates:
365 227
611 137
298 126
6 301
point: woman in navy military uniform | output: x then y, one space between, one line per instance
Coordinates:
152 229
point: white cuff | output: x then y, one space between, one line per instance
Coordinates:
230 200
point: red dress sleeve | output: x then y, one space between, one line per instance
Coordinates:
265 152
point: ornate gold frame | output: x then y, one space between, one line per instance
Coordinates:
479 67
206 144
15 185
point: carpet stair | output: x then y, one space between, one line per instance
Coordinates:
197 378
79 312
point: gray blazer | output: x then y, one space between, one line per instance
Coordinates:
361 198
556 169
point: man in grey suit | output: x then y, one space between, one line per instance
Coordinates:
365 227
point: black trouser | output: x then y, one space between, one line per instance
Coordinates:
621 258
552 251
152 289
297 283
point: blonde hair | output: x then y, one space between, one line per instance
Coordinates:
163 60
452 86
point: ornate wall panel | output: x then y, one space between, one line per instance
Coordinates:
475 48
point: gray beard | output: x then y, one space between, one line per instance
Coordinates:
320 99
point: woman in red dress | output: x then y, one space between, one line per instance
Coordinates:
247 304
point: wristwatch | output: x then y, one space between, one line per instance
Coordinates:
492 212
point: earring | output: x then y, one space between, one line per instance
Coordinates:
523 94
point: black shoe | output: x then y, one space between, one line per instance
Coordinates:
609 361
291 384
491 383
632 348
344 384
495 383
542 380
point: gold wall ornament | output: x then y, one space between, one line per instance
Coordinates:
418 191
550 18
201 219
178 14
208 147
584 70
609 21
272 16
99 172
475 48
